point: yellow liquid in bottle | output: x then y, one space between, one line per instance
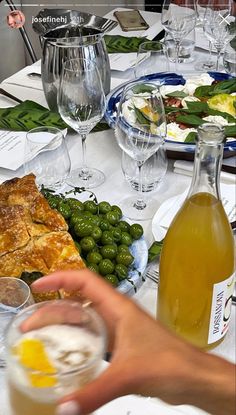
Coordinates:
198 252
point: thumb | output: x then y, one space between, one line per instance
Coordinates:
105 388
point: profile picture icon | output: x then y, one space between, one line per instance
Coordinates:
15 19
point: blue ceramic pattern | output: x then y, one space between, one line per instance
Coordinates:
162 78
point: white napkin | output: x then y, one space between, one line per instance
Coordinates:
21 78
166 212
186 168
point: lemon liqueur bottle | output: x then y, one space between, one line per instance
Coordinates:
197 259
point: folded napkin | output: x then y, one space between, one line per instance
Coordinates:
21 78
186 168
166 212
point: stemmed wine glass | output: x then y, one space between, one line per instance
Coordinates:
208 63
140 130
81 104
178 20
219 25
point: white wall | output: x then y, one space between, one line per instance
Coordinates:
12 55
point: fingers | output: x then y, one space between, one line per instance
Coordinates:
104 298
105 388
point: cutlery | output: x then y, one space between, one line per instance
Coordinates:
153 275
8 95
34 75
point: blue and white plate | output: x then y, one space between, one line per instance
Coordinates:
163 78
139 250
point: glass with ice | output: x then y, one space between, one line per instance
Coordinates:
53 348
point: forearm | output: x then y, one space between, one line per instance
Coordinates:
211 386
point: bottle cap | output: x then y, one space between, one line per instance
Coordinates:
211 134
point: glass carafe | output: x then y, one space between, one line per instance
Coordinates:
197 259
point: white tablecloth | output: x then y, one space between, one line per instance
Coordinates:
103 151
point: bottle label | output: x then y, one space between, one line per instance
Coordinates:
220 309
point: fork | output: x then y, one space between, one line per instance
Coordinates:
8 95
152 274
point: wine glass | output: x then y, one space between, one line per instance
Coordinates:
219 25
15 295
208 63
81 104
140 130
178 19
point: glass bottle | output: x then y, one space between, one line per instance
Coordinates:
197 259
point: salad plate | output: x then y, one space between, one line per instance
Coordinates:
170 81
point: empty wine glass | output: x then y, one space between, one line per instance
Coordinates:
208 63
151 59
178 19
81 104
219 25
140 130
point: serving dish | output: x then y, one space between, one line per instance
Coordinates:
175 149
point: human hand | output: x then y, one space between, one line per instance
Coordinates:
146 358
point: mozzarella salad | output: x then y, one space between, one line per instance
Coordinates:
200 99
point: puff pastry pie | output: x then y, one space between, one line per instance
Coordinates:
33 236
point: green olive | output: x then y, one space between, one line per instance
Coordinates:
125 258
83 228
136 231
112 279
91 206
121 271
104 207
109 251
87 243
126 238
106 267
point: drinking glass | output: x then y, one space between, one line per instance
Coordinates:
53 348
81 104
140 130
208 63
153 170
47 157
150 59
178 20
219 25
14 296
229 60
186 50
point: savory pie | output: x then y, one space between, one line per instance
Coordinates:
33 236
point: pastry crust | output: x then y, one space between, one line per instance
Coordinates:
33 236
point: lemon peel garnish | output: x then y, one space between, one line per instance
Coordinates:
32 355
223 103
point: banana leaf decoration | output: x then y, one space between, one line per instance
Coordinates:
29 114
122 44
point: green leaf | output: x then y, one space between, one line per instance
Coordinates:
155 250
122 44
190 119
191 137
197 106
230 118
142 88
230 130
224 87
202 91
177 94
140 117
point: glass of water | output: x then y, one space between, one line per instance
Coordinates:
229 60
15 295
